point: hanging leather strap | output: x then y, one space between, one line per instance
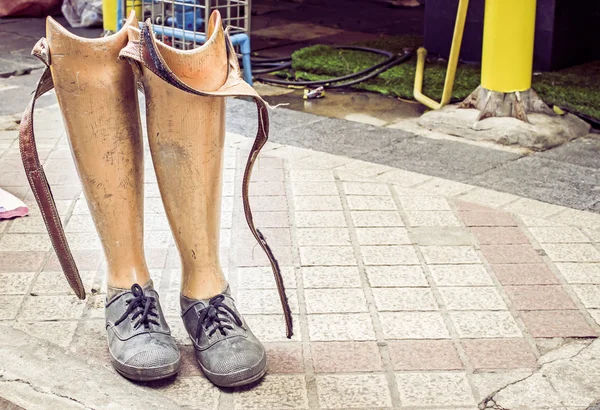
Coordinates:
37 178
145 52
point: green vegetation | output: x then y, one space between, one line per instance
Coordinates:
575 89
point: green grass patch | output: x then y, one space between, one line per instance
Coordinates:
575 89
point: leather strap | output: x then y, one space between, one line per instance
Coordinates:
37 178
145 52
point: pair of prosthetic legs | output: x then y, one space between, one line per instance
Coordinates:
95 81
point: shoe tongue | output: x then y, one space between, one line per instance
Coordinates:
112 292
186 302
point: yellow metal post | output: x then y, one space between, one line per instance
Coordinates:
508 34
459 27
109 14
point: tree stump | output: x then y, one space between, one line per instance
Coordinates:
497 104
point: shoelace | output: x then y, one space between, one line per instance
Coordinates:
145 306
217 316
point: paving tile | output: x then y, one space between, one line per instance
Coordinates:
371 203
489 382
499 235
30 224
346 357
317 203
59 333
314 188
55 282
424 203
266 188
499 353
269 328
16 283
396 299
84 240
524 274
323 236
593 233
85 260
353 391
539 297
44 308
366 188
580 272
327 256
434 389
9 306
534 208
460 275
595 314
489 218
441 236
579 218
363 168
340 327
396 276
589 295
382 236
194 389
331 277
449 254
261 277
320 219
272 219
488 324
335 301
264 301
424 355
445 187
432 218
488 197
25 242
503 254
472 298
253 256
557 323
376 218
311 175
276 236
572 252
402 177
564 234
284 358
413 325
264 203
389 255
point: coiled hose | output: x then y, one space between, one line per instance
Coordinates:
264 66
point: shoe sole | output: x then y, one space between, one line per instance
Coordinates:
257 372
147 374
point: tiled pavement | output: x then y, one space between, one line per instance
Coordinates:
407 291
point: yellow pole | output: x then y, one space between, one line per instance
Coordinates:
109 14
459 26
508 34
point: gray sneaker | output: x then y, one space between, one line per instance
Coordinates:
139 339
228 352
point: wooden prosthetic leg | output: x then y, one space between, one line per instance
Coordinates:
186 135
98 100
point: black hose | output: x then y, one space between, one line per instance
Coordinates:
354 78
271 68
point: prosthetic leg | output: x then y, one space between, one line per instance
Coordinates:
98 100
185 108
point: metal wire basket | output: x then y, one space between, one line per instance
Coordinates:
182 23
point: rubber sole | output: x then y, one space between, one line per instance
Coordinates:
147 374
222 380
